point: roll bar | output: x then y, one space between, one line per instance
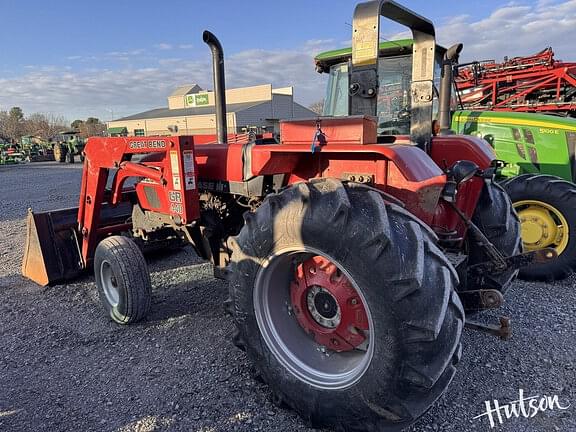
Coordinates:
363 91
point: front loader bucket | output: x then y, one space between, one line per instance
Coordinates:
52 251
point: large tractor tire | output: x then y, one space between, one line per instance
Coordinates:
546 206
496 218
345 306
70 158
60 152
122 279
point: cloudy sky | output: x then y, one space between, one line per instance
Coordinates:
112 58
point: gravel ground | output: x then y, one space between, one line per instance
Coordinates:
64 367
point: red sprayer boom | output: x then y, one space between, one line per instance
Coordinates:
528 84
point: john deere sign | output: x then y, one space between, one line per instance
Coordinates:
197 99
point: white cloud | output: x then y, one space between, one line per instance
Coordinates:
129 90
164 46
514 29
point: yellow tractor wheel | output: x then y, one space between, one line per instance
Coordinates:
543 226
546 206
60 151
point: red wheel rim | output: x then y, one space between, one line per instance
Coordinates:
327 306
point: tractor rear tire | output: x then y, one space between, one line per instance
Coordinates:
498 221
544 203
122 279
60 152
397 273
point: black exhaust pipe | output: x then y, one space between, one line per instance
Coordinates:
450 58
219 85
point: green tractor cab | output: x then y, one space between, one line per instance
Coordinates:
68 145
539 150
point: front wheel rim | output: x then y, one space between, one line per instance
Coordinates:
295 349
543 225
109 284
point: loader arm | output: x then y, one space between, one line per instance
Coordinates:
164 182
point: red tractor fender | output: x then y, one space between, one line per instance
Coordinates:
445 151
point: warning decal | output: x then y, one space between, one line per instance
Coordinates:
189 179
174 163
189 162
175 170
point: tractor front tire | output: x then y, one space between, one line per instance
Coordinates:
60 152
498 221
546 206
321 254
122 279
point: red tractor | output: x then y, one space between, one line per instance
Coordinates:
351 258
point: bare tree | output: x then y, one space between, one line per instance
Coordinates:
3 124
13 123
91 127
317 107
44 126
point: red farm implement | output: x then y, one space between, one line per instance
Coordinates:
537 83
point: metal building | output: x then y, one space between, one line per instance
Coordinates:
191 111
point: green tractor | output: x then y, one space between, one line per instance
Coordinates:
68 145
36 149
538 150
10 153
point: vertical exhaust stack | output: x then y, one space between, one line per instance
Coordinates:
444 101
219 85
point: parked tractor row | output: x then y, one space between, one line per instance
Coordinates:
63 147
356 248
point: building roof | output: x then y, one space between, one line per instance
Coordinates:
205 110
186 89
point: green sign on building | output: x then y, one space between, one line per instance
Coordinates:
198 99
201 99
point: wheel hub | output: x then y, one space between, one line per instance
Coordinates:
109 284
542 226
323 307
327 306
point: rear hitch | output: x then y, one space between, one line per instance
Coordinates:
498 262
503 331
539 256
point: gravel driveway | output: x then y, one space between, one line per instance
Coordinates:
65 367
